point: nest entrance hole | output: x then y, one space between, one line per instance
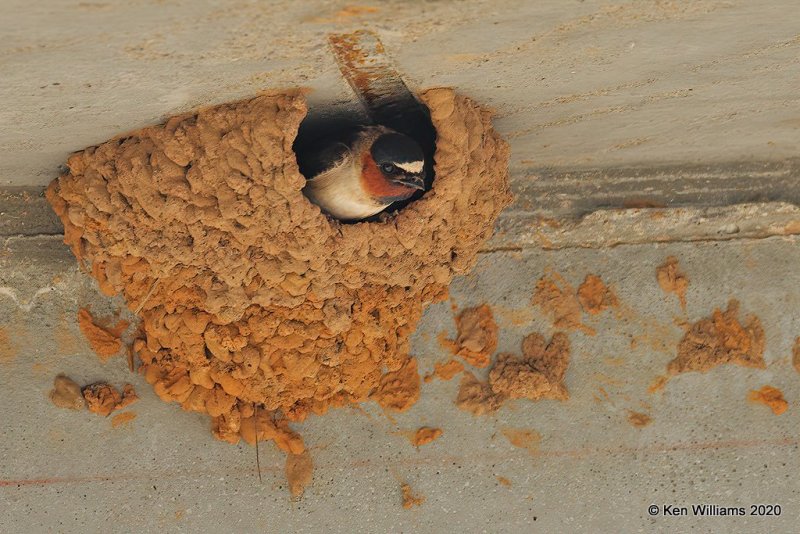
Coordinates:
327 121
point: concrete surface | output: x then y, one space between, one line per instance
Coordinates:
691 107
574 83
594 472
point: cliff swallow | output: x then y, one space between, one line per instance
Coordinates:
362 175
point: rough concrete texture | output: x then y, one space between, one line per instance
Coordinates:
592 472
606 104
574 82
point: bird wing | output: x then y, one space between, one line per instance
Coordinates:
326 152
314 163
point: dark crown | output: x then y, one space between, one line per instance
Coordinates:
396 148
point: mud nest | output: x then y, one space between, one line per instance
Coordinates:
256 308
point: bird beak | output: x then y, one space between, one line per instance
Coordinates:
412 180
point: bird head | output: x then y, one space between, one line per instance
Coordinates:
396 167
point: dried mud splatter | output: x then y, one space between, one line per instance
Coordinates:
102 398
639 419
122 419
657 384
538 373
299 473
8 351
399 390
523 439
67 394
445 371
477 397
594 296
720 339
410 499
105 341
796 355
425 435
476 340
673 280
771 397
557 298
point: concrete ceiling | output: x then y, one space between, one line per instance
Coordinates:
574 83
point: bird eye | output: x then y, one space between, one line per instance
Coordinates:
388 168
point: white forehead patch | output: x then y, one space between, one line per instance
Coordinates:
413 166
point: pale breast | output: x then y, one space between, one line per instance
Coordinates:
339 193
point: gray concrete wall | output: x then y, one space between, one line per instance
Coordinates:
607 104
65 471
586 83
